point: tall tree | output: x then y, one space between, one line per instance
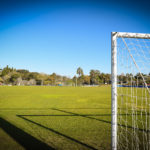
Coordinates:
80 77
80 71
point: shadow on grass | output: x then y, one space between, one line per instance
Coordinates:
85 108
58 133
101 120
72 114
27 141
86 115
91 116
24 108
13 109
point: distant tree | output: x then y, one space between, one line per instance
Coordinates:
102 78
69 82
53 75
86 80
6 70
22 71
80 80
64 79
94 76
1 80
47 82
32 75
14 77
75 80
42 77
32 82
107 78
19 81
80 71
6 79
80 76
148 80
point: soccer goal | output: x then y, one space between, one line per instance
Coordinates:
130 64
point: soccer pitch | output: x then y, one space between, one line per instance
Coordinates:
39 117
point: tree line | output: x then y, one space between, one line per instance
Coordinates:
134 80
12 76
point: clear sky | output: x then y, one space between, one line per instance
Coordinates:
60 36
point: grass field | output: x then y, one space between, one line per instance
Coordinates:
55 118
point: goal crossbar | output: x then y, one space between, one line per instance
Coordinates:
131 35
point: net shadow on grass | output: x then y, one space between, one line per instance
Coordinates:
26 140
56 132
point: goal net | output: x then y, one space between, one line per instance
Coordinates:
130 91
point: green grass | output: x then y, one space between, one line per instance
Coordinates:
56 117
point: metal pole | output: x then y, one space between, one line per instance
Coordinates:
114 90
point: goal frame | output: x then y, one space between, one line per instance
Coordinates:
114 36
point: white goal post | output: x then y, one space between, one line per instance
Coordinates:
130 91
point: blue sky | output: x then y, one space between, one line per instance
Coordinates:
59 36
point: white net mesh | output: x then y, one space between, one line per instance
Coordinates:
133 93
